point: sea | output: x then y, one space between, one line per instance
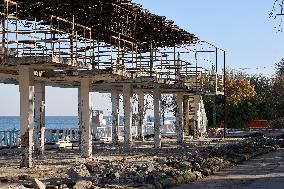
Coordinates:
8 123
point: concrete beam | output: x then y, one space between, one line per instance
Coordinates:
86 122
157 116
179 119
39 118
115 116
128 110
26 86
141 115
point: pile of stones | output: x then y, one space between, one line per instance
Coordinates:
166 172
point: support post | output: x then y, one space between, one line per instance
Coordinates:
186 116
141 116
179 119
80 117
127 103
26 86
39 116
157 117
115 116
86 122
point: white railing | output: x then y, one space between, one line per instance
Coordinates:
9 139
54 135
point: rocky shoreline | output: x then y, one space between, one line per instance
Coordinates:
182 167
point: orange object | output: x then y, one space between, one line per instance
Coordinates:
212 131
259 124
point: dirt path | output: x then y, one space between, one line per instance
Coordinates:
264 172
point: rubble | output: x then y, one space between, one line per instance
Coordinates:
78 173
37 184
173 167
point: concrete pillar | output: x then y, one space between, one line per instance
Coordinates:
179 119
115 116
79 117
39 118
86 122
26 86
197 116
141 116
128 110
157 118
186 116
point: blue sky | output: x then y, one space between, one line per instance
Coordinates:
241 27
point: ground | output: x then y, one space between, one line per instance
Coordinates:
112 165
263 172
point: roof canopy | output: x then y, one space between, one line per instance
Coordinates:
120 18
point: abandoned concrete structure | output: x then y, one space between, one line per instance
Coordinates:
108 46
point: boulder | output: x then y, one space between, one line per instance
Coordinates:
189 177
179 180
83 184
78 172
198 175
37 184
206 172
167 182
196 166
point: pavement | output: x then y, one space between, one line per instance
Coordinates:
263 172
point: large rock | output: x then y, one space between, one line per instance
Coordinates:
37 184
198 175
167 182
189 177
206 172
83 184
78 172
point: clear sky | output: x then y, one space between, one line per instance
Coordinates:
241 27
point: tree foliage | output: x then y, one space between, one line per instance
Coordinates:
251 97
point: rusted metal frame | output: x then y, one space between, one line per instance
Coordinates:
72 39
70 22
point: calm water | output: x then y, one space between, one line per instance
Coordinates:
52 122
8 123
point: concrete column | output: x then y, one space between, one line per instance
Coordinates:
157 118
179 119
128 110
186 116
191 114
26 86
141 116
197 116
86 122
79 117
115 116
39 118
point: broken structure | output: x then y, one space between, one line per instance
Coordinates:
108 46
